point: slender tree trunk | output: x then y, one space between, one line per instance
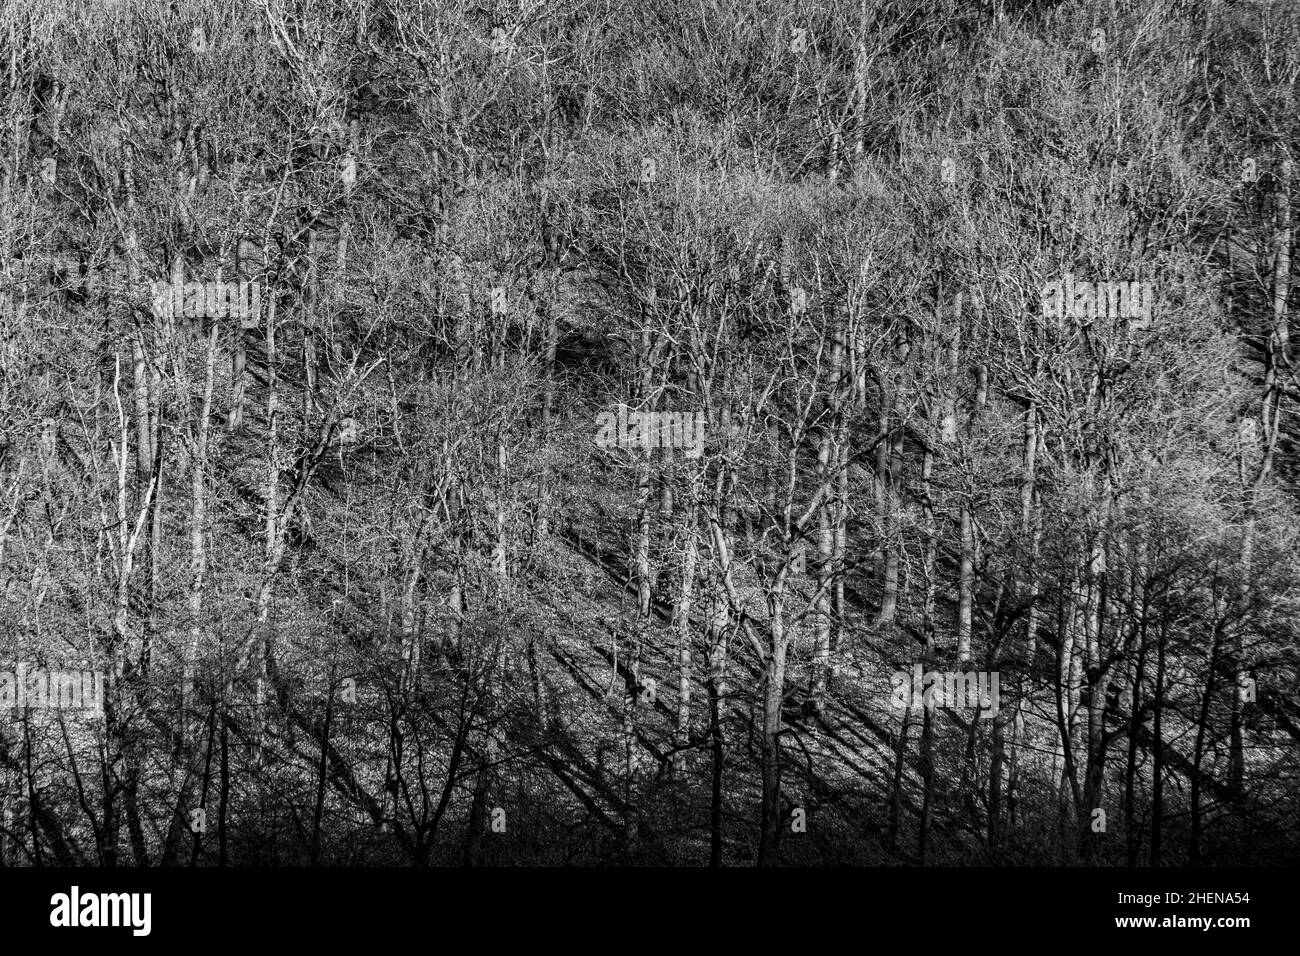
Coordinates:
1158 749
272 522
719 622
198 532
829 521
773 700
683 625
1132 838
1202 726
966 522
880 491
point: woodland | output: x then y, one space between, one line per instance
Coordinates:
370 579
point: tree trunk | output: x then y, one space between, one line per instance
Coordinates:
773 700
198 532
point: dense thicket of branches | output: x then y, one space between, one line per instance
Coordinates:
365 587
